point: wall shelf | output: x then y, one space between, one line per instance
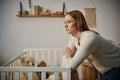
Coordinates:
40 15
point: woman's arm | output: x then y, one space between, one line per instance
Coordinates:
67 56
69 53
87 47
71 49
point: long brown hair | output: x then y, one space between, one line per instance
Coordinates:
80 21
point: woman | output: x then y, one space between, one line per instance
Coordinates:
88 44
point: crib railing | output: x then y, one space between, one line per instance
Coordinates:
13 62
17 70
52 56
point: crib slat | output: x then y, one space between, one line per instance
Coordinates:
30 76
55 60
48 57
9 75
56 76
36 57
17 74
43 55
68 74
3 75
43 75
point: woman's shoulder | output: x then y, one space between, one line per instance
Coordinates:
90 36
88 33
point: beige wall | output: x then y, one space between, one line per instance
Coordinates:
43 32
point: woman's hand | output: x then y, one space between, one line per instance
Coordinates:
69 52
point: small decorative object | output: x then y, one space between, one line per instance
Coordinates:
30 6
36 10
26 12
44 13
47 10
20 12
58 13
90 14
64 8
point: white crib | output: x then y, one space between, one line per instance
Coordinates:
52 56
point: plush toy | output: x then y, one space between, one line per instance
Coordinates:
52 77
49 75
41 64
27 61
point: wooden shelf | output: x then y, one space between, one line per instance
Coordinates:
40 15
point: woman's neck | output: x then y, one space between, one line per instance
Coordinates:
77 35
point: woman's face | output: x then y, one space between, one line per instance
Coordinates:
70 24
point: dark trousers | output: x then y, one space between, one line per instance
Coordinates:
113 74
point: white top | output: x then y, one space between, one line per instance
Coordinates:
99 51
